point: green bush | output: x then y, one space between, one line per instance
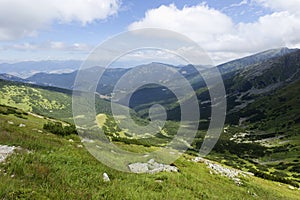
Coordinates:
58 129
273 177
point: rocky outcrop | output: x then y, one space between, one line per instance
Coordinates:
151 167
233 174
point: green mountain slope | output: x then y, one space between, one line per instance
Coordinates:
57 103
263 137
35 99
49 101
48 166
273 122
262 123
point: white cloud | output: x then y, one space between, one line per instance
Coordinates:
57 45
199 22
292 6
20 18
22 47
216 33
243 2
48 46
81 47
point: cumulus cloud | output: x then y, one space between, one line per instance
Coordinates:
199 22
220 36
20 18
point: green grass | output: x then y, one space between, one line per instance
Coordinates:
48 101
35 99
51 167
58 169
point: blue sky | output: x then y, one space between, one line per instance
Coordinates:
64 30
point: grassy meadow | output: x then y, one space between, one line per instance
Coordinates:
49 166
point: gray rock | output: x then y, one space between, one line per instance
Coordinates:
233 174
291 187
5 151
105 177
151 167
139 167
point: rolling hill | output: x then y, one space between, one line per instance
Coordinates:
261 133
48 101
49 166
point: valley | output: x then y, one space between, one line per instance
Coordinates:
47 165
260 137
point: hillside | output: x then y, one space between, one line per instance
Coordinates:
49 101
273 122
261 134
57 167
264 71
243 63
262 122
262 78
57 103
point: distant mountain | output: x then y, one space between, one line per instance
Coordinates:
260 72
106 83
66 80
28 68
108 79
262 78
9 77
236 74
253 59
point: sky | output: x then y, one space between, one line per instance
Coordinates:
71 29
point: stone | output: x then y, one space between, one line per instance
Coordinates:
5 151
291 187
151 167
138 167
87 140
105 177
198 159
233 174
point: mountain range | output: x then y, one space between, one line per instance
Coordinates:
261 133
26 69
